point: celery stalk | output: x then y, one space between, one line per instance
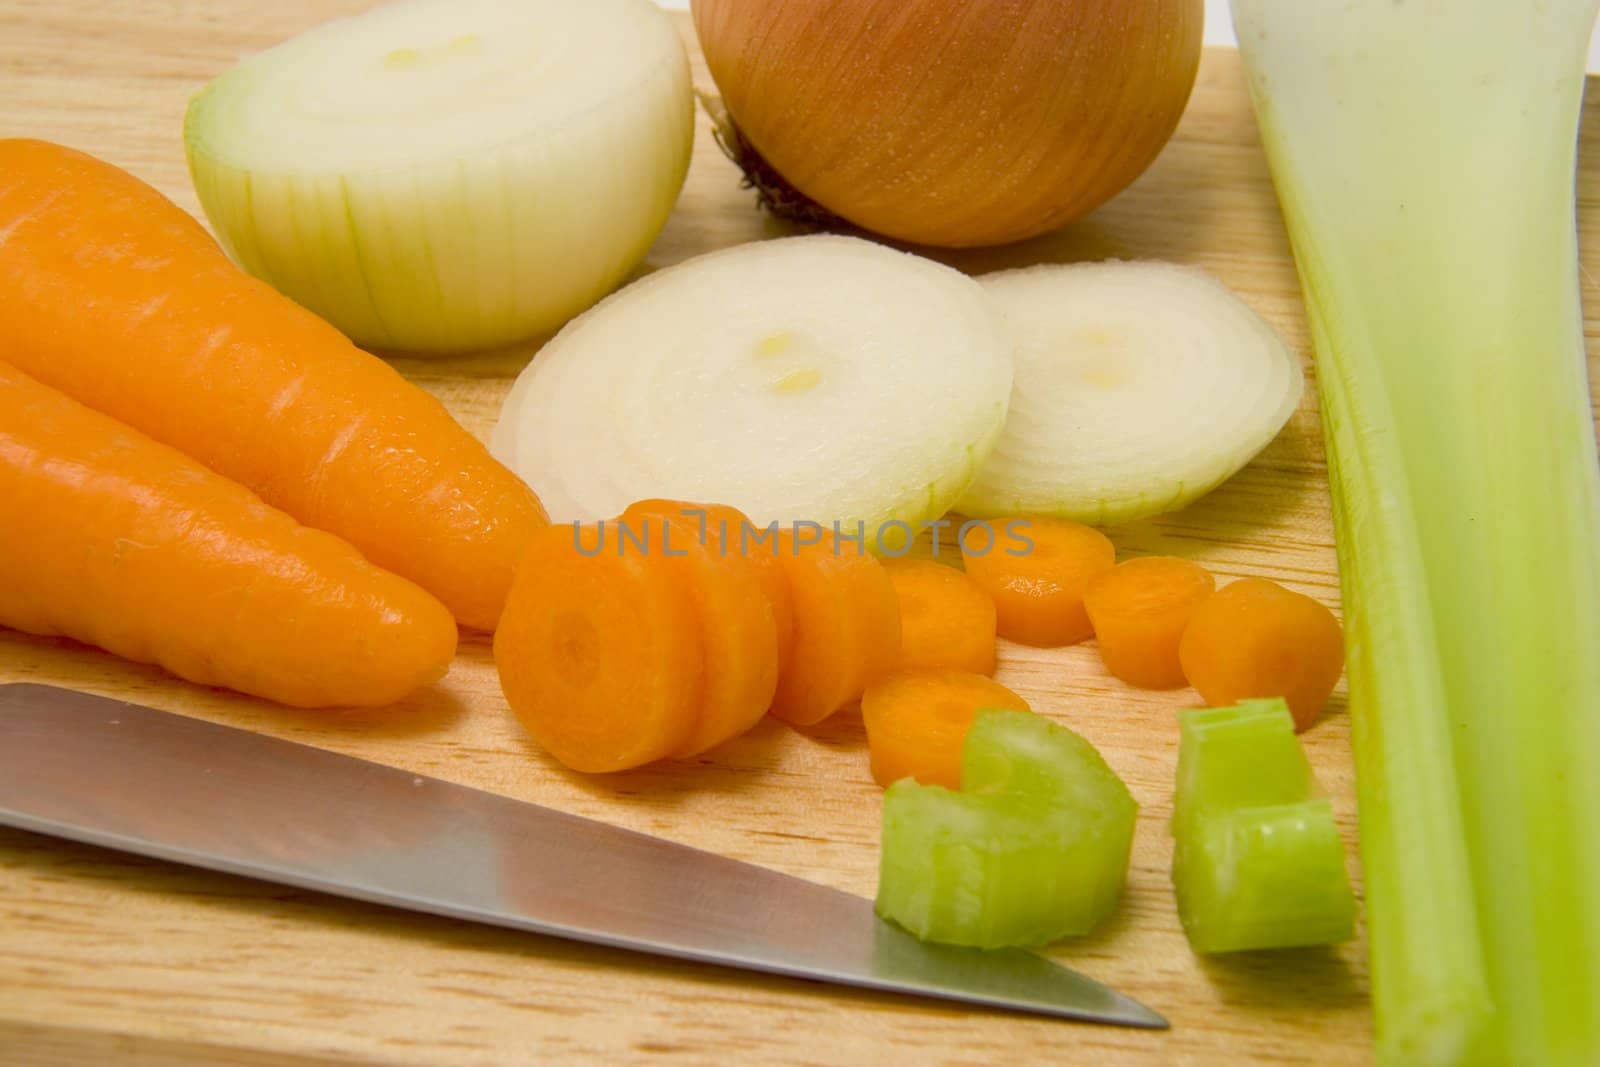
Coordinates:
1424 154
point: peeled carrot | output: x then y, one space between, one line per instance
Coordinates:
917 722
846 627
599 651
1139 610
1037 569
946 618
112 539
739 636
1254 638
112 294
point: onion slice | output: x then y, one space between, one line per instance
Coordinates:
445 175
807 379
1139 388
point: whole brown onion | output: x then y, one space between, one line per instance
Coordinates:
951 122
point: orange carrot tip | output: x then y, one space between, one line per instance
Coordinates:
1037 569
917 722
1254 638
111 538
600 650
1139 610
946 618
846 627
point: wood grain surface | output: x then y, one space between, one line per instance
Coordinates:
106 958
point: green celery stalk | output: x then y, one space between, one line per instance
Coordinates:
1423 153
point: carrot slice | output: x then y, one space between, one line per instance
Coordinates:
846 627
729 532
1036 569
917 722
946 618
1254 638
112 294
111 538
1139 610
735 533
599 650
738 633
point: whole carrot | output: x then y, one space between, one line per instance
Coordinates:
112 294
111 538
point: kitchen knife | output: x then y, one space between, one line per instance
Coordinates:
128 777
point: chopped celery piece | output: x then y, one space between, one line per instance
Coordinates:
1264 877
989 870
1243 756
1035 848
1258 863
1027 754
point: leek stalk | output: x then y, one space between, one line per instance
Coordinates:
1424 154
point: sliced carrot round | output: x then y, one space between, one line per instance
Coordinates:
917 722
737 629
846 627
1139 610
878 609
599 651
946 618
733 533
1037 569
728 531
1254 638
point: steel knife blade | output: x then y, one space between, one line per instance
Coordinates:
128 777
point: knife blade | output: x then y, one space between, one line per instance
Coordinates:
128 777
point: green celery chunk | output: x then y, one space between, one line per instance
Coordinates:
1267 877
1033 849
1258 863
1243 756
1026 754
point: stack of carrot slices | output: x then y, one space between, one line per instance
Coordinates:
674 628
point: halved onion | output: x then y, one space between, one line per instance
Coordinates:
816 379
1139 388
442 175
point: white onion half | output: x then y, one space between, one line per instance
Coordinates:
1139 388
815 379
445 175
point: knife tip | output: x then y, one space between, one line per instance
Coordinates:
1136 1015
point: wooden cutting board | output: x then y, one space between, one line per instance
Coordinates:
108 958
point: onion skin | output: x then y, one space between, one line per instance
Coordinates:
955 122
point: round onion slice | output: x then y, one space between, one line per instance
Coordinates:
1139 387
822 379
